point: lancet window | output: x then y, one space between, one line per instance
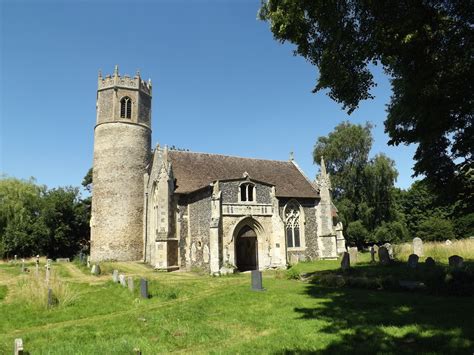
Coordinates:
126 107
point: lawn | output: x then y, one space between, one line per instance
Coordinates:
200 314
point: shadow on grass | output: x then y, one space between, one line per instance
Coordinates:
371 321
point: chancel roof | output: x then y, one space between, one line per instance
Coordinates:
194 171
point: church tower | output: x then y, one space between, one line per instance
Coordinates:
122 150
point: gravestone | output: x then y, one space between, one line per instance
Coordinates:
345 262
16 257
62 260
430 262
376 250
456 261
372 254
18 347
49 262
37 264
448 242
413 261
50 297
48 272
95 269
384 256
123 280
22 265
389 248
257 280
353 255
115 276
418 246
144 288
88 261
130 283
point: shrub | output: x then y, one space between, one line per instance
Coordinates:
436 228
292 274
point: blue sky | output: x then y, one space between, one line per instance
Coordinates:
221 84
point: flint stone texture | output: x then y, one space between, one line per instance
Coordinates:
353 255
413 261
456 261
345 262
418 246
384 256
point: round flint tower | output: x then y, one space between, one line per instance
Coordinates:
122 142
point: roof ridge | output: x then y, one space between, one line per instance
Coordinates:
224 155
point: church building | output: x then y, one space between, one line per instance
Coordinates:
182 210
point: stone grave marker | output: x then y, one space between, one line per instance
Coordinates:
123 280
144 288
18 347
22 265
430 262
418 246
62 260
48 272
353 255
95 269
257 280
448 242
413 261
115 276
50 298
389 248
130 283
376 250
37 264
88 261
16 257
384 256
456 261
372 254
346 261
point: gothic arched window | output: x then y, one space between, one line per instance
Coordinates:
126 107
247 192
292 225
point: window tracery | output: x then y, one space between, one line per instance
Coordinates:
125 107
292 224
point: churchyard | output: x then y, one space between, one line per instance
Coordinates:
312 307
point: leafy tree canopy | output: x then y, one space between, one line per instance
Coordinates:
426 48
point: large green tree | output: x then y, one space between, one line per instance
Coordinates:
364 190
427 49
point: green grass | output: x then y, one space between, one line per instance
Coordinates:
201 314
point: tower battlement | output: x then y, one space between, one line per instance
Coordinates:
126 82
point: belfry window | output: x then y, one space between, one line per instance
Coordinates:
247 192
126 107
292 224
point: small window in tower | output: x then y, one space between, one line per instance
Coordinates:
126 107
247 192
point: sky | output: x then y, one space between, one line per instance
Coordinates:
221 84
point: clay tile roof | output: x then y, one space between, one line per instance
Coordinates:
194 171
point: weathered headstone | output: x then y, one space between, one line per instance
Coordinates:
353 255
430 262
389 248
130 283
95 269
18 347
413 261
22 265
418 246
88 261
50 297
456 261
123 280
49 262
144 288
448 242
257 280
345 262
15 258
115 276
376 250
384 256
372 254
48 272
62 260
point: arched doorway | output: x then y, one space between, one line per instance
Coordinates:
246 249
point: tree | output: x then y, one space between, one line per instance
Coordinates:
87 181
426 48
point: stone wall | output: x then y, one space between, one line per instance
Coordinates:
231 190
121 154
